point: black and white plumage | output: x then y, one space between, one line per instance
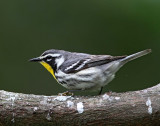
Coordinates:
80 71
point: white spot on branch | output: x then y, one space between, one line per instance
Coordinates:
145 91
49 100
62 98
133 105
80 107
105 97
110 98
12 99
150 110
35 108
117 98
13 120
148 103
48 117
70 104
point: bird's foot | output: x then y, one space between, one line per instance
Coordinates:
67 93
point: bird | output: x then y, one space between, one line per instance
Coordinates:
82 71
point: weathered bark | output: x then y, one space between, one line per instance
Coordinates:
130 108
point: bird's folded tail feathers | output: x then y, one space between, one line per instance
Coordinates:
135 55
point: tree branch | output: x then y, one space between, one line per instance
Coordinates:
130 108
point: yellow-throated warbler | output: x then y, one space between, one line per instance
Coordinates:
80 71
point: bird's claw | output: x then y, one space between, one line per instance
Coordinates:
67 93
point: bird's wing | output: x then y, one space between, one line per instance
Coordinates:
91 61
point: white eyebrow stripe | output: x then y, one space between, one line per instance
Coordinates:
53 55
70 67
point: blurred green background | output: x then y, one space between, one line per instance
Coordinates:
28 27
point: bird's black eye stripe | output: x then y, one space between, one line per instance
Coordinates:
48 57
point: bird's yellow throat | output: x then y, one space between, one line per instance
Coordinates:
49 68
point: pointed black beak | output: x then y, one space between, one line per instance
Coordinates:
35 59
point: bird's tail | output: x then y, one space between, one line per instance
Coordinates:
135 55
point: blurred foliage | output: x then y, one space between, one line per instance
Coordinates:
27 28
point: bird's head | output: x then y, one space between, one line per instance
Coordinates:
50 59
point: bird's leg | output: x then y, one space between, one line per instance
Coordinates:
100 92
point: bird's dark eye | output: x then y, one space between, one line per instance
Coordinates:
48 58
